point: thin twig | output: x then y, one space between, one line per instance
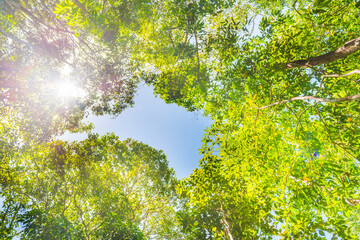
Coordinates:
298 118
183 46
327 130
295 8
302 114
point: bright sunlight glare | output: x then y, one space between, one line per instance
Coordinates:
68 89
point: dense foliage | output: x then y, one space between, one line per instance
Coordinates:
279 78
99 188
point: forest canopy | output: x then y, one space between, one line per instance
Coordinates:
280 80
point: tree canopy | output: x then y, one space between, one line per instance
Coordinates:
279 78
99 188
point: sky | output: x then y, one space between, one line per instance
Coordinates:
166 127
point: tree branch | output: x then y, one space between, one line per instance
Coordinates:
318 99
343 75
348 48
172 42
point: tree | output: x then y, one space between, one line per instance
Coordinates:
259 180
300 69
41 50
99 188
205 55
11 204
279 78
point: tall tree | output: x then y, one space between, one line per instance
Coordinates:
299 65
99 188
280 78
259 179
205 55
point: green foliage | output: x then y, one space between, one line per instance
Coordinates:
271 165
259 180
292 166
99 188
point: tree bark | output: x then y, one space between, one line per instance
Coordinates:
348 48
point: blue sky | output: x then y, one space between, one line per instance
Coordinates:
163 126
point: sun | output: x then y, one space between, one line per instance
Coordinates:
68 89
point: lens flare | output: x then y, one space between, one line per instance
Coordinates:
67 89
